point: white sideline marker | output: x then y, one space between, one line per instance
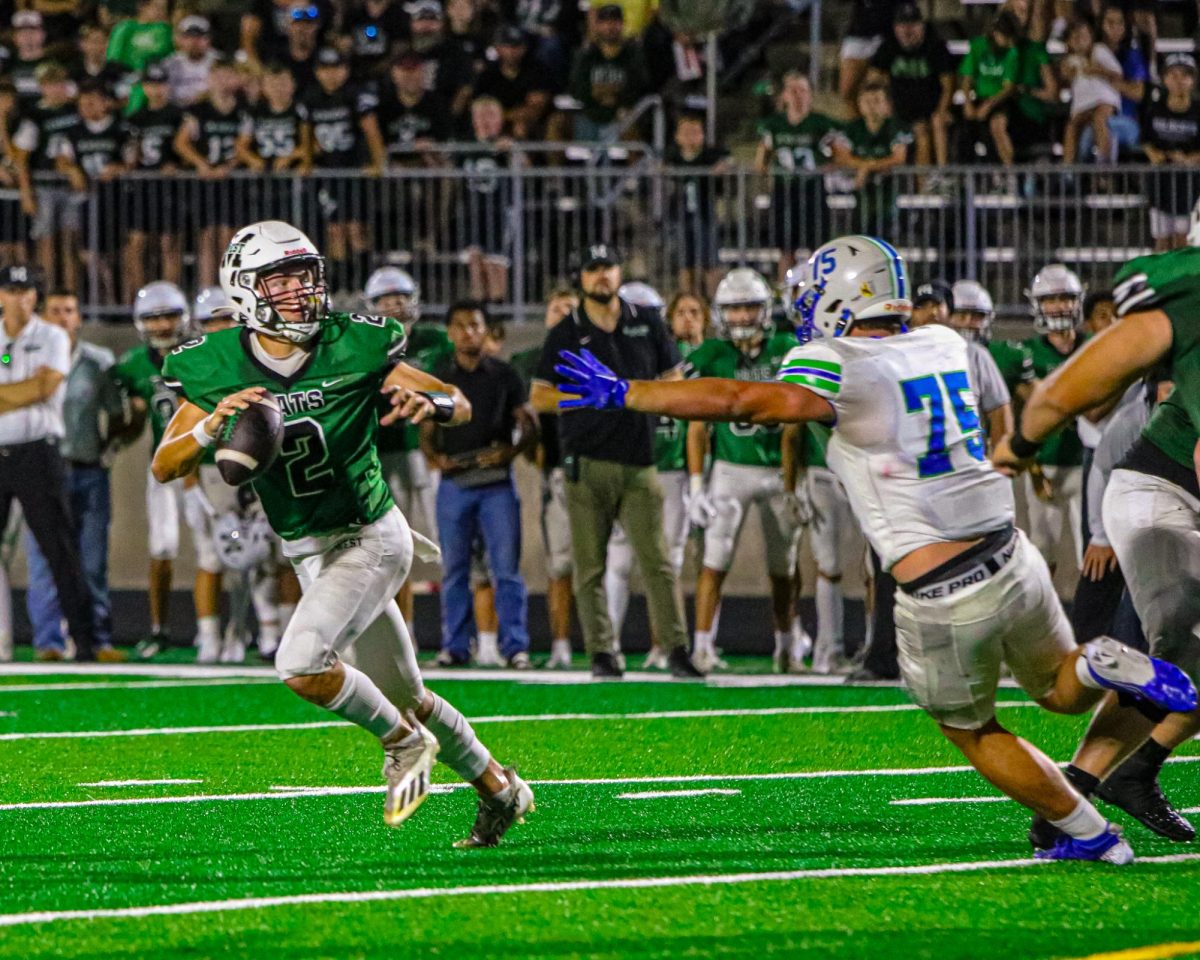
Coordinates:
564 886
930 801
670 794
501 718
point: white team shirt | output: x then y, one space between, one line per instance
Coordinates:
39 344
907 443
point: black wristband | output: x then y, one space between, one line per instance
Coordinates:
443 405
1023 449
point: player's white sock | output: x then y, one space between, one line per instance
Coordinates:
1082 823
208 630
802 643
361 702
830 613
783 641
488 654
461 750
704 641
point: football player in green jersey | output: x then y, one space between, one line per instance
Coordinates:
747 467
688 318
347 647
1054 494
1151 508
392 292
163 320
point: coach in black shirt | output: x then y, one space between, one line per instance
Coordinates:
609 461
477 498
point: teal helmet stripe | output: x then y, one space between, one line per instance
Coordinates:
897 264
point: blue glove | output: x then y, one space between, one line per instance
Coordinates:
592 383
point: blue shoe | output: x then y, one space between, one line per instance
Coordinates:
1109 847
1116 667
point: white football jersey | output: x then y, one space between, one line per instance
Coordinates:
907 444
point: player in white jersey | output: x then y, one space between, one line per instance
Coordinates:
973 594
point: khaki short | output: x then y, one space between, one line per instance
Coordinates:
951 648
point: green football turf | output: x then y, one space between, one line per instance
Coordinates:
724 864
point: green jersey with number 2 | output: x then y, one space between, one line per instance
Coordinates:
747 444
327 476
1170 282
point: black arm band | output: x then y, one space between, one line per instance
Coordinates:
1023 449
443 405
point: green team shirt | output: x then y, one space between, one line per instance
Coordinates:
990 70
1167 282
670 436
327 477
1063 448
1014 362
747 444
797 146
1033 56
427 347
139 373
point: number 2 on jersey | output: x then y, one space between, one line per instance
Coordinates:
305 457
932 391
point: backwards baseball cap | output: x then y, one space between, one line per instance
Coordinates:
27 20
424 10
1184 60
610 11
19 276
935 291
154 73
908 13
195 26
600 255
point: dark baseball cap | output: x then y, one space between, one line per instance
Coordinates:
330 57
935 291
598 255
908 13
510 35
610 11
154 73
95 85
20 276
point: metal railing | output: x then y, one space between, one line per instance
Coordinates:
526 224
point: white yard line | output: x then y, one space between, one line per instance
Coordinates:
671 794
563 886
499 718
931 801
136 685
288 793
137 783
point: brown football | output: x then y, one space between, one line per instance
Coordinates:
250 442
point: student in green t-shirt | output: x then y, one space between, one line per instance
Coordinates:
989 79
871 147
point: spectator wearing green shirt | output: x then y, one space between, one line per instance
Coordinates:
989 80
871 147
144 39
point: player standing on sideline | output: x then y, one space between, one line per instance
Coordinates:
1054 492
747 467
163 321
1151 509
392 292
972 317
973 594
324 495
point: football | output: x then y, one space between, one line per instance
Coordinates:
250 442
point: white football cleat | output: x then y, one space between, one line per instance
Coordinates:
208 649
656 659
488 654
406 768
708 659
560 655
233 651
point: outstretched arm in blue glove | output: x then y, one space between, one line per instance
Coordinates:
592 384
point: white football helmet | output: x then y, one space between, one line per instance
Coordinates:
742 287
849 280
210 303
973 311
242 538
394 282
270 247
1055 281
641 295
1193 234
162 299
